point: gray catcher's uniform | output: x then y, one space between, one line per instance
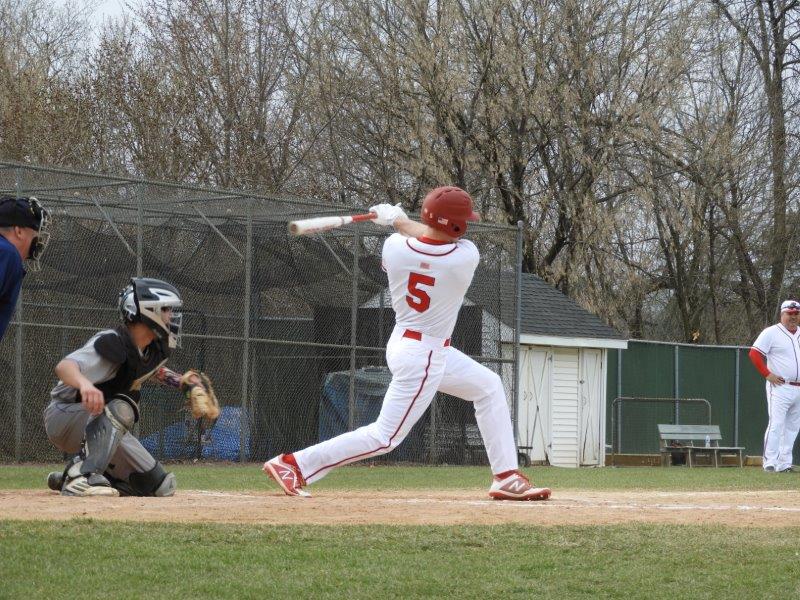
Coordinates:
111 361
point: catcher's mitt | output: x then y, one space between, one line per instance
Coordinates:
200 397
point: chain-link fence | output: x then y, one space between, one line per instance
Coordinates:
291 329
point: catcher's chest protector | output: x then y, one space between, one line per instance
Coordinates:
134 368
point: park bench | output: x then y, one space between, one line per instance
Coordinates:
690 441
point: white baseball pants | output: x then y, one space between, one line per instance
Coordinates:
419 369
783 407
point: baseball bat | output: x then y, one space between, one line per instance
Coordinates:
317 224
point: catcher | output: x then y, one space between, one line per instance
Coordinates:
96 402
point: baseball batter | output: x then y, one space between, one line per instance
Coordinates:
429 267
776 355
95 404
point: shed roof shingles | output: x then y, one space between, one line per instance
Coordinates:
545 310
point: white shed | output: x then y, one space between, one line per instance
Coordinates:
561 417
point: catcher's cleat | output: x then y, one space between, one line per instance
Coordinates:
89 485
516 487
55 479
286 475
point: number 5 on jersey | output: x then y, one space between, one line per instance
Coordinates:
417 298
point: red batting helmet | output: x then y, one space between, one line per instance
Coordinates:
448 209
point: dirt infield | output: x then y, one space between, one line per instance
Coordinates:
459 507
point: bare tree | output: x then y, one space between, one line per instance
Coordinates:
770 32
41 117
211 91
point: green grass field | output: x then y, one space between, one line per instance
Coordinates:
237 477
98 559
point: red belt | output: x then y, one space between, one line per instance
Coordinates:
416 335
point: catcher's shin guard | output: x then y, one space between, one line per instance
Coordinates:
167 486
155 482
104 434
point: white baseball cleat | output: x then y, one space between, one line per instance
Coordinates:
516 487
286 475
91 485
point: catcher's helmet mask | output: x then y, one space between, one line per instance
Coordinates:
145 301
28 212
448 209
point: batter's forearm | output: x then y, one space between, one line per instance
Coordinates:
409 228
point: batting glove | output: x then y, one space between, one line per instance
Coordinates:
387 214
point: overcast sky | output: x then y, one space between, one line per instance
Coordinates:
109 8
105 8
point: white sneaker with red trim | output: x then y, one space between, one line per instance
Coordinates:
517 487
286 476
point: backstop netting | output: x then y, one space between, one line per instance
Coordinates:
292 330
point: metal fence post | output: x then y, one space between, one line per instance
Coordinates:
139 230
736 401
381 308
619 406
517 327
677 382
351 404
18 384
18 355
248 281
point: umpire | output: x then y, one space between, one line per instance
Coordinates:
23 236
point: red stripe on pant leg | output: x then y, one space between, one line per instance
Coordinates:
396 431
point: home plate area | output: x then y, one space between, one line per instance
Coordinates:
404 507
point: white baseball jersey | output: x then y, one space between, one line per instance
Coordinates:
782 349
428 281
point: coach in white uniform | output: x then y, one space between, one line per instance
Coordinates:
429 267
776 355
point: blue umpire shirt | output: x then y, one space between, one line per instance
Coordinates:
11 274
